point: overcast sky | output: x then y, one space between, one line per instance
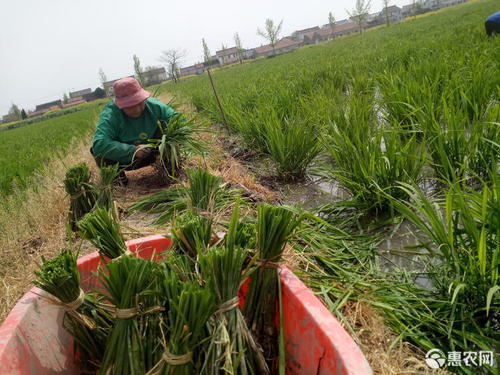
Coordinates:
49 47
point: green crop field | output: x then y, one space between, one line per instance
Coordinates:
394 86
382 115
26 149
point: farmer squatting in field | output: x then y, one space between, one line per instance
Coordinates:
125 125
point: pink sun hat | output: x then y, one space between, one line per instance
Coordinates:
128 92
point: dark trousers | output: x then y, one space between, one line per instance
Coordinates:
492 27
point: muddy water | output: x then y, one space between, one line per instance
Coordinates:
399 248
313 193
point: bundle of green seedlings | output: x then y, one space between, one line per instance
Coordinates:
82 192
132 288
84 318
178 139
232 348
184 325
102 228
105 189
275 226
204 192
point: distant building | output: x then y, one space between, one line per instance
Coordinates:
407 10
341 22
307 36
448 3
346 29
249 53
50 105
193 69
9 118
394 12
75 101
79 93
154 76
108 86
284 45
227 56
374 19
305 33
37 113
90 96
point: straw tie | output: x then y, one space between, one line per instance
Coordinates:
73 305
269 263
125 254
228 305
79 194
125 313
134 311
177 359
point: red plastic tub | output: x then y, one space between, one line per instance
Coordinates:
32 340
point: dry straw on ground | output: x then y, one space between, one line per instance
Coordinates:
33 224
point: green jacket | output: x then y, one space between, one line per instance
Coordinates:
117 135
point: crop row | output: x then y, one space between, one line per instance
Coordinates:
26 149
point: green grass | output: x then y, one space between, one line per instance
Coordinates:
27 149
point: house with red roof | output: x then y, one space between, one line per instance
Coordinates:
286 44
227 56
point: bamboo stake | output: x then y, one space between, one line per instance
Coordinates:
218 101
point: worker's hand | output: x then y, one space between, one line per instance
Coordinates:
141 151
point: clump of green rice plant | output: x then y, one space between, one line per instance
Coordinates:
275 226
368 159
293 144
461 312
108 176
132 287
204 193
81 191
178 139
460 149
102 229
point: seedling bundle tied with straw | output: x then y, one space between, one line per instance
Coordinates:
83 318
275 225
182 315
81 191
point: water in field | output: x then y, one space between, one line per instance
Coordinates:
313 193
398 250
